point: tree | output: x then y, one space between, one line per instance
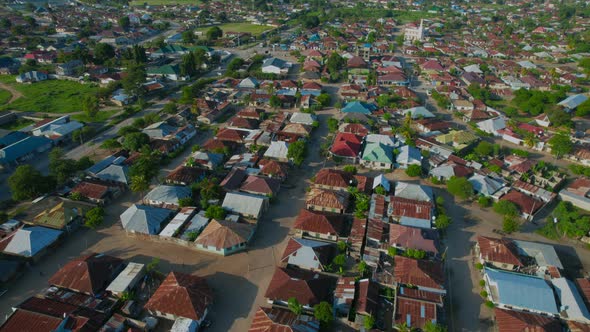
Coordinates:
111 144
90 106
215 212
379 190
484 201
323 312
153 265
484 149
26 183
297 152
433 327
139 184
506 208
443 221
510 224
188 37
214 33
295 306
135 141
460 187
363 268
560 145
186 201
332 125
339 260
94 217
391 251
60 167
369 322
414 170
124 22
170 108
103 52
324 99
350 169
132 83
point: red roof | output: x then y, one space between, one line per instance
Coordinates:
323 253
272 168
91 190
414 313
501 251
412 238
309 288
517 321
232 135
368 297
417 294
584 286
89 274
346 145
280 320
333 178
182 295
526 204
315 222
404 207
22 320
312 86
354 128
421 273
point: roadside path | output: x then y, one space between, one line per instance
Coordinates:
15 93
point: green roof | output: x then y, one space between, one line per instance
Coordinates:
377 152
164 70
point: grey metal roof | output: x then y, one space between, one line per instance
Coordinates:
168 194
144 219
245 204
544 254
485 185
117 173
29 241
521 290
413 191
571 300
572 102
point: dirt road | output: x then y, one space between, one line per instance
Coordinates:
15 93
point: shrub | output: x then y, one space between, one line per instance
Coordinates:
460 187
490 304
482 283
483 294
484 201
506 208
479 266
350 169
510 224
414 170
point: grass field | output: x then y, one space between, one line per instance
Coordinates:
4 96
102 116
254 29
163 2
51 96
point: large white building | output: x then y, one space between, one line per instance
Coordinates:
412 34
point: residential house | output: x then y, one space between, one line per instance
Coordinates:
206 160
224 237
24 149
492 126
89 274
260 185
280 319
499 253
309 288
572 102
181 296
275 66
419 112
411 212
97 191
425 275
273 169
368 298
511 320
527 205
57 130
414 192
127 279
278 150
572 304
577 193
167 196
246 205
144 219
408 155
344 295
308 254
70 68
29 242
333 179
185 175
377 156
485 185
405 237
359 107
347 146
320 226
515 291
318 199
57 213
31 77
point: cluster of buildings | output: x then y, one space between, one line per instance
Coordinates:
98 292
524 282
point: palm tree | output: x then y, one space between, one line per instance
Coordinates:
530 139
139 184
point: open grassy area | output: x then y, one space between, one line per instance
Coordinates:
102 116
51 96
4 96
164 2
241 27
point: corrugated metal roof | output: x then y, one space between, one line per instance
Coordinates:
29 241
571 301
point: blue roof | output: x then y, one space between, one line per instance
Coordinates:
23 147
572 102
12 138
99 166
522 291
415 222
359 107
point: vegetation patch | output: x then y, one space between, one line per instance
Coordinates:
254 29
4 96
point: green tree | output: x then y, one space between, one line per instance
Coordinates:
324 99
215 212
124 22
484 149
135 77
332 125
433 327
60 167
111 144
90 106
460 187
323 313
274 101
391 251
186 201
560 144
339 260
153 265
297 152
26 183
363 268
350 169
510 224
369 322
139 184
295 306
506 208
170 108
103 52
135 141
443 221
94 217
414 170
213 34
188 37
484 201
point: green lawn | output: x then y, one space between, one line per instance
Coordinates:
4 96
163 2
51 96
254 29
102 116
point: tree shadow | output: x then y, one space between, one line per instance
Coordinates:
233 299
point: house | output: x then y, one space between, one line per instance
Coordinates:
273 169
577 193
127 279
260 185
24 149
318 199
275 66
31 77
278 150
415 313
333 179
368 298
57 130
167 196
448 170
309 288
527 205
572 304
206 160
29 242
405 237
344 294
347 146
171 72
419 112
411 212
246 205
185 175
97 191
413 192
320 226
572 102
407 156
70 68
115 173
359 108
499 253
492 126
144 219
458 139
89 274
511 320
425 275
308 254
224 237
181 296
57 213
543 255
519 292
485 185
280 319
377 156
